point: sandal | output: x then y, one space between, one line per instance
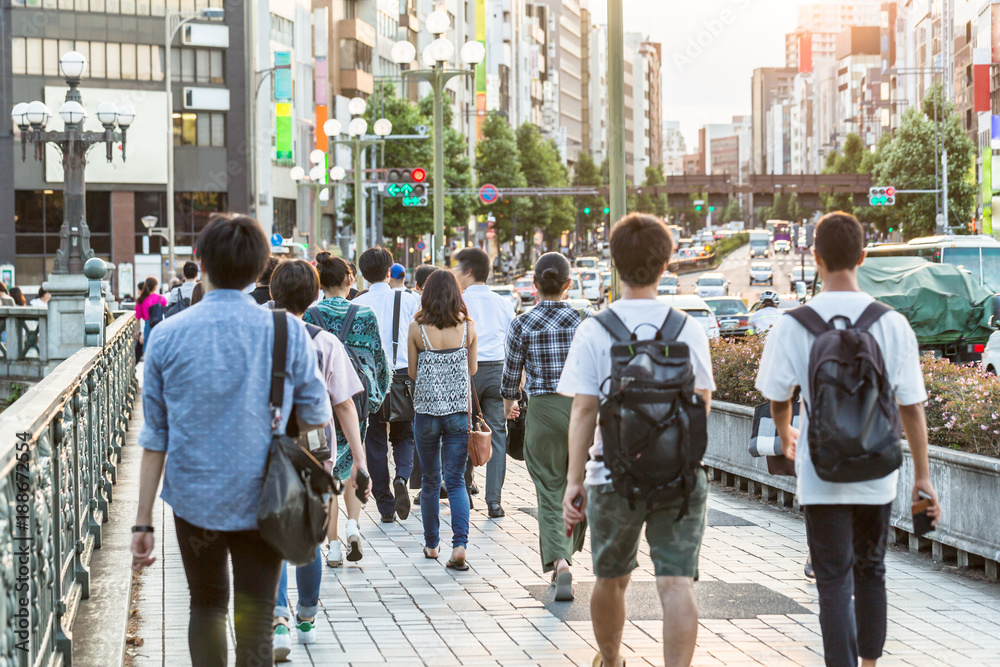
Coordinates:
459 565
428 555
599 661
564 586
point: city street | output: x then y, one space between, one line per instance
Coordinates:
736 268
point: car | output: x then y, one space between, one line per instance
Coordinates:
582 306
783 246
803 243
805 275
586 262
761 272
525 288
696 308
509 293
593 285
731 314
991 355
711 284
575 287
668 285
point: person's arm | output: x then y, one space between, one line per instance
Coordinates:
347 418
473 348
915 427
412 341
776 381
781 413
153 440
513 367
582 422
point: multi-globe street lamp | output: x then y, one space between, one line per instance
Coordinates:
316 180
434 58
74 143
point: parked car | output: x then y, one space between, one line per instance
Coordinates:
508 292
668 285
525 288
731 314
783 246
991 355
593 285
761 272
711 284
697 308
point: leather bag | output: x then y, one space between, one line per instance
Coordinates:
398 403
480 435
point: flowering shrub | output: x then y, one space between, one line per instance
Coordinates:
963 406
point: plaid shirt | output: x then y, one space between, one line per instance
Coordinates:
538 342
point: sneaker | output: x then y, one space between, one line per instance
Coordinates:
353 536
809 570
416 499
281 642
389 518
402 498
335 556
306 631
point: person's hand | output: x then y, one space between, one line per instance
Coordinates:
515 412
573 515
934 511
355 469
789 442
142 551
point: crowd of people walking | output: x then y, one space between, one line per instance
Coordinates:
398 381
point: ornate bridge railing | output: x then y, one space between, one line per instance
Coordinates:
60 445
24 350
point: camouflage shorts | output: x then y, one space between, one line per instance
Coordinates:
615 530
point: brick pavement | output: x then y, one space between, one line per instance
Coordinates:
397 608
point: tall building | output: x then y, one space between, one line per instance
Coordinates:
597 93
564 118
630 113
769 85
674 148
123 42
652 54
815 38
640 105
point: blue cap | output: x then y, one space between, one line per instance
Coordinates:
397 271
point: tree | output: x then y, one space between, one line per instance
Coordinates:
847 162
648 202
733 211
457 167
588 174
498 162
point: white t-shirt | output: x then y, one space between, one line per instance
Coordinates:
785 365
588 365
764 319
342 382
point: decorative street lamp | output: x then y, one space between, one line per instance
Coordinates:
434 58
73 142
315 180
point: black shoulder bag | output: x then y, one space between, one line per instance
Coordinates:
398 404
292 514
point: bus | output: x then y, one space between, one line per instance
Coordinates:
978 255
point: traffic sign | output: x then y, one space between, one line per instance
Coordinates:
489 193
421 246
276 239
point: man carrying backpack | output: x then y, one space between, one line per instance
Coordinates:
857 365
179 297
645 465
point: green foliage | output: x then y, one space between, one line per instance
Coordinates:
650 203
588 174
732 212
687 216
542 168
850 161
498 162
457 167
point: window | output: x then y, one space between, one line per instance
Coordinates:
34 57
218 129
114 62
50 57
200 129
19 65
158 63
128 6
282 30
187 65
84 48
98 57
216 74
144 65
202 68
355 55
39 216
128 61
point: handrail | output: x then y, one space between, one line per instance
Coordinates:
60 444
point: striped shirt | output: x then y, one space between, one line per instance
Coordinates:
538 343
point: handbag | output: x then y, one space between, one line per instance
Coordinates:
764 440
516 430
292 514
480 435
398 403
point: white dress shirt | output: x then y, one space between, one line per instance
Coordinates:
381 298
492 314
186 288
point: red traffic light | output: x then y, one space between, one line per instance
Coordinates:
890 191
419 175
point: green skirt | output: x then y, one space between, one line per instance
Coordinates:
546 453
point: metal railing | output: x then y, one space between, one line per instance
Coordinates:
60 445
23 346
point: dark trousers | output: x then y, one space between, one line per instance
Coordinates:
256 572
847 546
377 441
487 381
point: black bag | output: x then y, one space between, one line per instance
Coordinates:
515 432
179 304
653 424
361 398
292 514
398 404
854 423
155 314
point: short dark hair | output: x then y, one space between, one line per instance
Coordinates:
839 240
375 264
294 285
233 250
333 271
641 246
551 273
421 274
190 270
265 276
474 261
42 292
441 304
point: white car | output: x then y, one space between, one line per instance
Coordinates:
509 293
668 285
593 285
586 262
761 272
991 355
783 245
575 287
711 284
697 308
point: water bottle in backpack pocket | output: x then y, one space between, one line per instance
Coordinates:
653 423
854 423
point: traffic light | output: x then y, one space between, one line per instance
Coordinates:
882 196
408 184
607 210
711 208
697 207
890 230
586 210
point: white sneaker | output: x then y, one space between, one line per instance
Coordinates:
353 536
306 631
335 556
281 642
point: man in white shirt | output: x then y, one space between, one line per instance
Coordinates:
183 291
492 314
42 300
641 247
847 523
375 265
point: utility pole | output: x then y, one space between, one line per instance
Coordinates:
616 120
944 187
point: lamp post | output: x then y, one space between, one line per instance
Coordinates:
435 57
616 122
314 180
73 142
172 22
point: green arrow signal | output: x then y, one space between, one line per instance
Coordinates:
411 201
392 189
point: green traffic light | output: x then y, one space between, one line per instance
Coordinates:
606 210
890 230
697 208
586 210
711 208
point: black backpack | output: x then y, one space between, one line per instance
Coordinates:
653 424
361 398
178 305
155 314
854 423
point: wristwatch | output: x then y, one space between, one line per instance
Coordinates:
143 529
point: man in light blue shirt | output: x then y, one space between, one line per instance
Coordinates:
375 265
206 402
492 314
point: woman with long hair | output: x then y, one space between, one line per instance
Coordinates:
149 307
18 296
364 340
442 360
537 345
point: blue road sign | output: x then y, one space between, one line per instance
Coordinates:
276 239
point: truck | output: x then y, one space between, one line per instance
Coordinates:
760 243
951 314
782 237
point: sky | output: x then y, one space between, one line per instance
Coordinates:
710 49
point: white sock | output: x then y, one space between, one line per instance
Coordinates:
352 527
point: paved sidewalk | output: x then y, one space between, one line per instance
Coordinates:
397 608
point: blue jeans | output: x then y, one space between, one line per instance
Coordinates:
307 578
443 442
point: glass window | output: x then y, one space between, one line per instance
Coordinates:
34 56
216 73
114 62
187 6
142 7
50 4
53 213
65 46
84 48
218 129
174 5
187 64
143 64
185 129
204 133
201 4
966 259
157 8
19 64
98 55
201 62
97 5
128 61
82 6
128 6
112 6
66 5
991 269
158 64
347 53
214 3
175 65
50 57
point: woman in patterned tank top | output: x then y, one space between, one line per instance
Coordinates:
442 359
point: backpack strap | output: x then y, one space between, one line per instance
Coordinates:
395 327
317 316
873 312
614 325
810 320
313 330
278 356
345 326
672 325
